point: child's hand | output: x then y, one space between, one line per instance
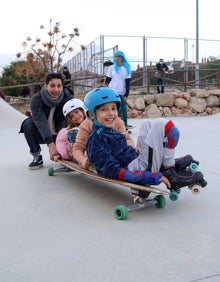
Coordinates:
85 163
138 150
165 180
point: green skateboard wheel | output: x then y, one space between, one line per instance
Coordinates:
50 171
121 212
161 201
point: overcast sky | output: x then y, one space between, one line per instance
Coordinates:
159 18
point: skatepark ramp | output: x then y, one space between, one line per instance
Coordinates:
9 116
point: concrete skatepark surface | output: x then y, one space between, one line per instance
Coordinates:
62 228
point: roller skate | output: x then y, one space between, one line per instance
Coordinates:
182 178
187 162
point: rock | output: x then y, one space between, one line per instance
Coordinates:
180 103
165 100
152 111
212 101
139 104
197 104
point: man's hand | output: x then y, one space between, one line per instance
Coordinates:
53 152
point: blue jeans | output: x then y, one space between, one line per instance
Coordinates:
160 83
32 136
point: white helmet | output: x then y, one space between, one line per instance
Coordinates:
71 105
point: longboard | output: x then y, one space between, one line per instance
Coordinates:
120 212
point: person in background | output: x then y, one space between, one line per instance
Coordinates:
100 82
46 118
106 66
73 110
161 68
118 78
67 76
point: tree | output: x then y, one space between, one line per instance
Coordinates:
38 59
43 57
210 70
9 77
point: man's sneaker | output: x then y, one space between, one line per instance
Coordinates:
36 163
185 162
182 178
139 196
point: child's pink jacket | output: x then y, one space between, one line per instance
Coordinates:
63 146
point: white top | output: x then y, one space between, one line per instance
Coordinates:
118 79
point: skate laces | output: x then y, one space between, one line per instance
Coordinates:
189 174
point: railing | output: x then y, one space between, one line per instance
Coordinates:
180 79
143 80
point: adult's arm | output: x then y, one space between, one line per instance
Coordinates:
127 86
107 80
40 119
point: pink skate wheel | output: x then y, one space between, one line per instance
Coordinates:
195 189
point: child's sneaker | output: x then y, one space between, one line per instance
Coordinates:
182 178
184 162
36 163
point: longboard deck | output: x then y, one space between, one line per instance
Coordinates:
75 167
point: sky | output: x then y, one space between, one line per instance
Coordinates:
170 18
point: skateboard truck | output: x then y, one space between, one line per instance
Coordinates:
121 212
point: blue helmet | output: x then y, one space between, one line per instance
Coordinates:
100 96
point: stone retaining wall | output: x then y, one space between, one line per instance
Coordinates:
195 102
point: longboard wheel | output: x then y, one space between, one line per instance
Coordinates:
193 167
161 201
50 171
121 212
195 189
174 196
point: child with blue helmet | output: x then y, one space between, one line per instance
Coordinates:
107 149
109 153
